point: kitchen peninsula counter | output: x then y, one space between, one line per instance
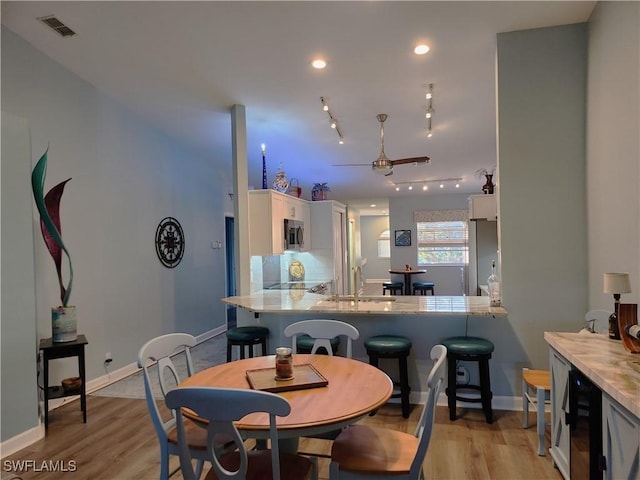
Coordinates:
606 362
425 320
297 301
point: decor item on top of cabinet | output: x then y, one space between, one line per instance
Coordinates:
169 242
63 318
264 167
488 187
280 183
403 238
294 188
319 191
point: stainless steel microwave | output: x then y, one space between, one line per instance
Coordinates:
293 234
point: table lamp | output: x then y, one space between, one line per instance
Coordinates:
616 283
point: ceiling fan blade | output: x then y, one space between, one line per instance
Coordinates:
352 165
402 161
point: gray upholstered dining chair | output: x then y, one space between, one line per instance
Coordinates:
363 451
221 407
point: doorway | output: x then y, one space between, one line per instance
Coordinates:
230 277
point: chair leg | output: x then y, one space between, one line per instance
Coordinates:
373 360
540 419
404 386
485 389
314 467
451 387
228 351
250 347
525 405
241 346
164 461
264 346
199 468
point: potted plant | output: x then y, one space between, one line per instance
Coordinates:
319 191
63 317
488 187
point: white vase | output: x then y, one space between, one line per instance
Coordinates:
64 324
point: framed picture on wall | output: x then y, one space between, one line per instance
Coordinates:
403 238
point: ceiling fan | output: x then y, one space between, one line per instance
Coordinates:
383 165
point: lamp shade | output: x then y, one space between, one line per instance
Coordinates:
617 283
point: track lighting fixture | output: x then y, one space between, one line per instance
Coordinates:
442 182
429 110
333 122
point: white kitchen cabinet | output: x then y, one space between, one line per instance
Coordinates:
621 441
483 207
266 222
328 222
560 440
267 211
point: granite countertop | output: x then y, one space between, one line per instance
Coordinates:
606 362
299 301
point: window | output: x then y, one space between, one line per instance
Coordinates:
384 245
443 243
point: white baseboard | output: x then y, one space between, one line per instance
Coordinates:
130 369
497 402
24 439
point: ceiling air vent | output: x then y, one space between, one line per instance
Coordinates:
57 25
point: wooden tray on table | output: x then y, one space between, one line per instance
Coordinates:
304 376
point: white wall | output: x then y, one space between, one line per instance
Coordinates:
126 177
613 156
370 229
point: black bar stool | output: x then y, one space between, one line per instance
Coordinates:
392 346
247 337
394 288
304 344
469 349
423 287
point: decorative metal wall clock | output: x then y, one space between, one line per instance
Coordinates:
169 242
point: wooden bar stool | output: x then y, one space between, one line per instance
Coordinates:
536 390
423 287
247 337
392 346
394 288
469 349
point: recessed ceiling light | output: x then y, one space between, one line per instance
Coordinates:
421 49
319 63
373 205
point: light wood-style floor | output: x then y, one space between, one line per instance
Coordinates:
118 443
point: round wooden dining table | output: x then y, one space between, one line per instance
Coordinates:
354 389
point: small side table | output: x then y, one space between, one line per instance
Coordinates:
52 350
